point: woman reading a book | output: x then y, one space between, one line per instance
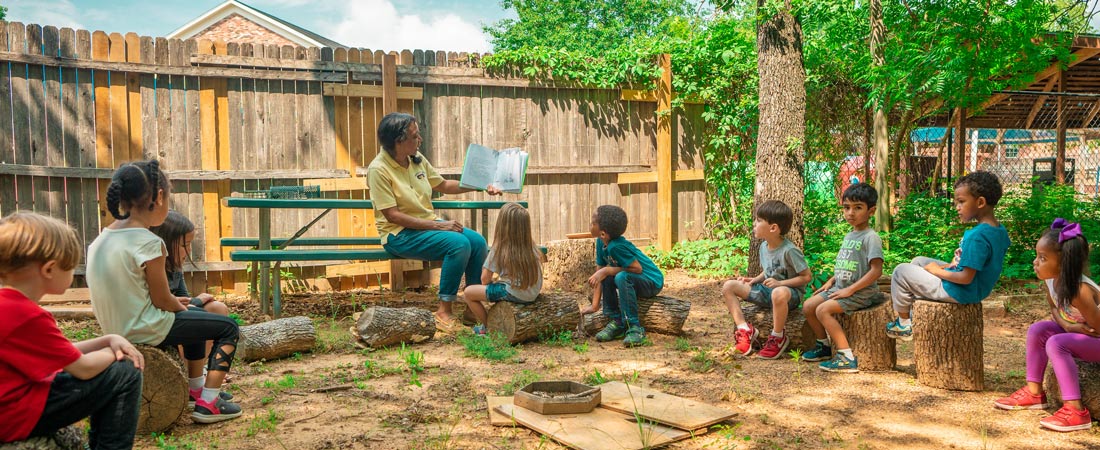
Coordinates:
401 182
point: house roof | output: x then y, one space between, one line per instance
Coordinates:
1020 108
290 31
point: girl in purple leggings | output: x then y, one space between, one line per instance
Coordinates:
1061 259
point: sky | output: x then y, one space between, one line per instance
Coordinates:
453 25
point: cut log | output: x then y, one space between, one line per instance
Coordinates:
71 437
276 339
569 263
380 326
866 334
163 390
947 345
660 314
1088 374
796 328
549 313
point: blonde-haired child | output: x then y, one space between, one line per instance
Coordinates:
515 258
47 382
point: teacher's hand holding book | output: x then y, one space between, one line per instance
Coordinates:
492 190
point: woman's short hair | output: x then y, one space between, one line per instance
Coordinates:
393 128
28 238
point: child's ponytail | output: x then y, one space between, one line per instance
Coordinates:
1070 242
132 183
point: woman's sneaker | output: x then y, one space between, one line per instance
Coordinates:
194 394
840 364
896 330
1021 399
611 332
820 352
217 411
1068 419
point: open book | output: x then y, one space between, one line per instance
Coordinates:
504 169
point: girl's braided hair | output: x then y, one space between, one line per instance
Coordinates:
135 184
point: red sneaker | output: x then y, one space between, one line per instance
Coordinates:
774 347
1068 419
743 339
1021 399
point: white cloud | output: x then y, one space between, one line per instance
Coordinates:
59 13
376 24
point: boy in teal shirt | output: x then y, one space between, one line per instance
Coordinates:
624 274
970 277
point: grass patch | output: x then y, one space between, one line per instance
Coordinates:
264 423
518 381
79 330
581 347
594 378
701 361
559 338
414 360
493 346
682 344
332 336
166 442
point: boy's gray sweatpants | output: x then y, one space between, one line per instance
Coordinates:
910 282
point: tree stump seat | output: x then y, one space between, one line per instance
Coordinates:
867 337
71 437
163 390
661 314
796 328
549 313
947 345
1088 374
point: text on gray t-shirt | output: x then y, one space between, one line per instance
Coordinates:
853 261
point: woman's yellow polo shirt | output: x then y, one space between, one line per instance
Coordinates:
410 190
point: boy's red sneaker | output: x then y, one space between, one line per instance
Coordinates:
1021 399
743 339
774 347
1068 419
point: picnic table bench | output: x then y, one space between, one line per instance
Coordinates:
266 250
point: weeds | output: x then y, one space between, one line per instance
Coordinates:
237 318
729 437
560 338
265 423
682 344
796 356
414 360
166 442
594 378
493 346
701 362
581 347
332 336
518 381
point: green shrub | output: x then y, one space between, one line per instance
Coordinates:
712 258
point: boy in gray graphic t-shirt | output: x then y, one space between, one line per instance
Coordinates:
854 283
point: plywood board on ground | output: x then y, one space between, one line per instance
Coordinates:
659 407
71 312
497 418
601 429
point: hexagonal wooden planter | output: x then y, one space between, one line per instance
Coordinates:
558 397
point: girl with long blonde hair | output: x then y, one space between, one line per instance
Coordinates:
515 259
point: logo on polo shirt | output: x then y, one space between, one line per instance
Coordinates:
420 175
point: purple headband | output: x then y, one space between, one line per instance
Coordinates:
1069 230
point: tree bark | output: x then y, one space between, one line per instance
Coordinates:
947 345
380 326
780 147
1088 374
71 437
660 314
883 216
163 390
551 312
276 339
868 340
796 328
569 263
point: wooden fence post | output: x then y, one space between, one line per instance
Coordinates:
664 154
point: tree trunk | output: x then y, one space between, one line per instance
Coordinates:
380 326
947 345
780 146
569 263
71 437
276 339
881 145
660 314
796 329
864 329
549 313
164 394
1088 374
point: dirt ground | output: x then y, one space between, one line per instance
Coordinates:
778 404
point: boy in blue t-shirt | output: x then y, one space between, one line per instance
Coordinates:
970 277
624 273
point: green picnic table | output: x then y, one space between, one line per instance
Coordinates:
267 250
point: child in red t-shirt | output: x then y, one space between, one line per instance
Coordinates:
47 382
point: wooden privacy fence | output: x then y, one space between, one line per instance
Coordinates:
228 117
